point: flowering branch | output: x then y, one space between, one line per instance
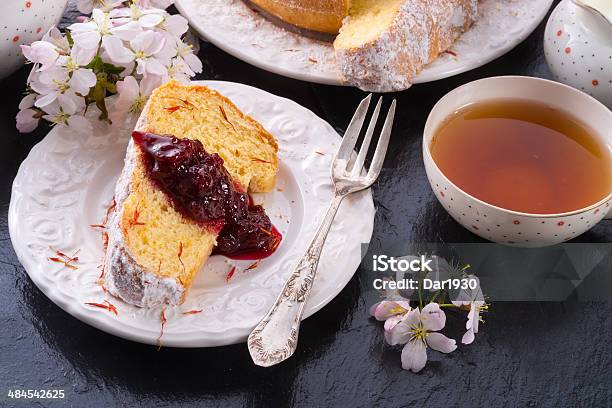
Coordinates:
418 328
112 59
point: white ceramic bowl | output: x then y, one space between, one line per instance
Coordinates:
499 224
23 22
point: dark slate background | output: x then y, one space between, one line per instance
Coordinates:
527 354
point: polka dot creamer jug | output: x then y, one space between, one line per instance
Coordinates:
578 46
23 22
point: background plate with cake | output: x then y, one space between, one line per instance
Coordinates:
379 46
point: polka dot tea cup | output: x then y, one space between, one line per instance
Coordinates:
578 47
23 22
499 224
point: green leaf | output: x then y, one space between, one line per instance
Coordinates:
111 69
100 66
99 94
94 63
69 38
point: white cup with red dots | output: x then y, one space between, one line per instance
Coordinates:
502 225
578 46
23 22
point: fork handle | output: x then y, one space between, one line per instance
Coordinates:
275 338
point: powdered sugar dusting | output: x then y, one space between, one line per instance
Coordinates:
421 29
125 278
234 27
501 25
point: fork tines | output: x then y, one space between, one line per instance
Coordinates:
346 164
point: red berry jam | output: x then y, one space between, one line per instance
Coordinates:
201 189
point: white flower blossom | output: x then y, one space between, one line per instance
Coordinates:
55 37
417 331
175 25
162 4
26 121
81 78
473 320
54 85
184 52
181 55
132 96
87 6
178 70
87 36
42 53
389 308
391 311
474 299
117 50
67 117
27 101
146 18
144 47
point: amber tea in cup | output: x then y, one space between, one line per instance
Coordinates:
523 156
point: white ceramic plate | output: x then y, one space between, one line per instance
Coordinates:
232 26
67 181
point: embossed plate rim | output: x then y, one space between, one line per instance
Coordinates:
174 334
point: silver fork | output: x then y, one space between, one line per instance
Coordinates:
275 338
